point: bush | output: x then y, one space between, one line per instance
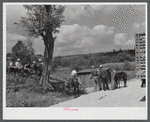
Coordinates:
128 66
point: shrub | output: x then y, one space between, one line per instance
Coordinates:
128 66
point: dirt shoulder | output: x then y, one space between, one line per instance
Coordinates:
124 97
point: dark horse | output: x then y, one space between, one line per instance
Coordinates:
119 76
74 83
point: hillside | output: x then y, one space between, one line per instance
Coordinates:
84 61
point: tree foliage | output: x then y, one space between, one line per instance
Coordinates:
44 21
42 18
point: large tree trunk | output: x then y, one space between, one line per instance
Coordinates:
48 56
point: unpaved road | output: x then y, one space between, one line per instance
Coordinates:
124 97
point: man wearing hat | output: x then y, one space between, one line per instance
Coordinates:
100 67
94 78
103 76
18 64
40 61
35 66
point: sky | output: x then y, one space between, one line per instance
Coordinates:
87 28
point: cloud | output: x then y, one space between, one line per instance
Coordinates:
81 39
76 12
119 39
130 41
139 27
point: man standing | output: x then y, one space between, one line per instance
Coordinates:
94 78
103 76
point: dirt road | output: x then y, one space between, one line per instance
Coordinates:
124 97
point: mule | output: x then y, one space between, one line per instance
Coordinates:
75 85
119 76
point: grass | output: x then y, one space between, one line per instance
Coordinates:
27 92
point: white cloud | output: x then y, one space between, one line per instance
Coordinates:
82 39
75 12
130 41
119 39
139 27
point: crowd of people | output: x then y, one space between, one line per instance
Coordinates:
27 68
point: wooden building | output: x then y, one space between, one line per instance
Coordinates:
84 76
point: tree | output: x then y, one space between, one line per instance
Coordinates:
24 51
44 21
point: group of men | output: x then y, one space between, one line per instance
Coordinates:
18 67
99 77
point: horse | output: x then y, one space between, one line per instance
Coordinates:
74 83
119 76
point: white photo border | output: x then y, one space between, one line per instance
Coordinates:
88 113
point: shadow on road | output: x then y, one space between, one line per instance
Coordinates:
143 99
102 97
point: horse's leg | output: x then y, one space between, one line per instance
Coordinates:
106 83
78 91
119 83
74 91
125 82
103 81
116 83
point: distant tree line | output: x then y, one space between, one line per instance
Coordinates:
86 61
